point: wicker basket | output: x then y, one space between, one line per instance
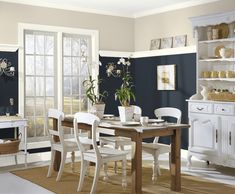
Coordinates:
222 96
10 147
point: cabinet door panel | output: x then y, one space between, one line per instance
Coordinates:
204 134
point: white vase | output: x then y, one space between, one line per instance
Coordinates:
126 113
98 110
204 92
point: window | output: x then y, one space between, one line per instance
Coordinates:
76 57
40 79
53 64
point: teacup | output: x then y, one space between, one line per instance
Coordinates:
144 121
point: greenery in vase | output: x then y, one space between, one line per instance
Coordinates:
125 93
90 87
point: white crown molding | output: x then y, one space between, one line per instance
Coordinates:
152 53
68 7
9 47
177 6
163 9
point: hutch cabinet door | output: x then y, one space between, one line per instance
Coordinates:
204 134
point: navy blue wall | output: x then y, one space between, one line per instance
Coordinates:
145 80
8 89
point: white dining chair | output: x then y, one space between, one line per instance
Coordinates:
155 148
64 146
119 142
98 155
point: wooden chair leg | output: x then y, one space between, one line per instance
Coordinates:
156 168
124 181
51 163
116 146
105 172
72 160
63 158
96 177
84 165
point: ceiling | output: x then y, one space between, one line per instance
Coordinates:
125 8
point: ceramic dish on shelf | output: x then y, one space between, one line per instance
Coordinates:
108 116
223 30
156 121
217 50
131 123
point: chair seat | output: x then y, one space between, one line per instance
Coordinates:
109 154
116 140
163 148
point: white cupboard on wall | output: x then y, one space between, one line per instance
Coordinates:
212 108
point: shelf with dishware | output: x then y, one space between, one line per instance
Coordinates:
212 109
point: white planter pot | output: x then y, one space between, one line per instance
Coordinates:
126 113
98 110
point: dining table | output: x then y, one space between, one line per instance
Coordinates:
137 133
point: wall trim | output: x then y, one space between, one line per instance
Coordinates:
9 47
151 53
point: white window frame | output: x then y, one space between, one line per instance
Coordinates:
59 31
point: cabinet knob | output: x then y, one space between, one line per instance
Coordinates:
230 138
199 108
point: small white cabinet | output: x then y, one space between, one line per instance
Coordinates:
212 135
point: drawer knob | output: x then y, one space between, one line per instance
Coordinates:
223 109
199 108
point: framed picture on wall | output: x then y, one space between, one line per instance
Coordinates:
155 44
179 41
166 42
166 77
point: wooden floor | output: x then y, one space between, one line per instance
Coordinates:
200 168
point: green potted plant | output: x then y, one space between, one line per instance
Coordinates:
125 93
95 97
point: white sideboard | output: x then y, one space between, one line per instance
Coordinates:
16 122
212 132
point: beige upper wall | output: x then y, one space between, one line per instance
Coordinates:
116 33
174 23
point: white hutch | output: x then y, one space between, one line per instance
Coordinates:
212 108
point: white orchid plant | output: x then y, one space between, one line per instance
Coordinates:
124 94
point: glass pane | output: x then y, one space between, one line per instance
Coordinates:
67 66
29 106
84 103
39 107
29 86
39 86
82 89
40 126
84 50
29 44
67 86
49 45
39 40
76 104
67 46
75 85
67 105
84 69
75 65
49 86
49 103
75 47
49 66
30 127
39 65
29 65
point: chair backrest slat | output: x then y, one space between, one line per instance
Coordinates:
59 116
88 119
167 112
